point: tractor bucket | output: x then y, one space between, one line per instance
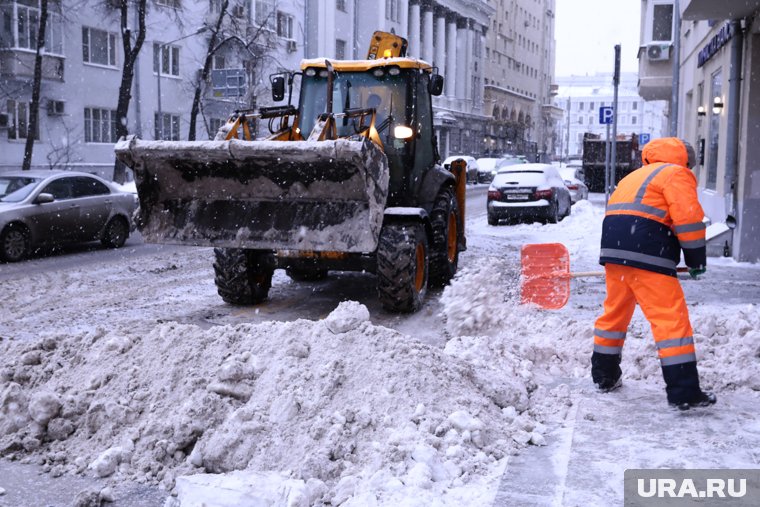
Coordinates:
319 196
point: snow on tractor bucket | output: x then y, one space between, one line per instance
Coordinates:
305 195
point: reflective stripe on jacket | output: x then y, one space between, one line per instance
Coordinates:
654 214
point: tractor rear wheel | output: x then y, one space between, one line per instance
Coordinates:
243 277
402 266
444 252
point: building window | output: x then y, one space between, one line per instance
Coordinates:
218 62
19 119
214 124
662 22
167 129
169 59
716 90
265 14
99 125
580 120
580 106
284 25
54 34
634 120
634 106
391 10
341 5
98 47
340 49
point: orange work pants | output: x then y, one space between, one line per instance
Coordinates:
660 298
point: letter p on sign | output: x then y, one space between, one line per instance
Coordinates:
605 115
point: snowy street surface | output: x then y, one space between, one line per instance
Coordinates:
139 386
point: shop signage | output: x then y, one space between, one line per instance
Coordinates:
717 42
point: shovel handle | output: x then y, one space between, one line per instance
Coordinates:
585 274
582 274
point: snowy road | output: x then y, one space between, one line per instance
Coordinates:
144 374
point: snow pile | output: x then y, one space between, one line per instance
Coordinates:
482 295
482 300
346 409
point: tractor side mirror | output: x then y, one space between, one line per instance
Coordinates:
278 87
436 85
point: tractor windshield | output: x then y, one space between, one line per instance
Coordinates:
385 91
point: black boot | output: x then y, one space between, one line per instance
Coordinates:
682 386
605 371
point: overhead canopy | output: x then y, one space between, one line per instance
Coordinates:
725 9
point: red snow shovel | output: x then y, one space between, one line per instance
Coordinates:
545 280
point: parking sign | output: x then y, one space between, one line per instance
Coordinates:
644 139
606 115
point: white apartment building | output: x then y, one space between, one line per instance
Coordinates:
83 61
519 80
583 96
82 69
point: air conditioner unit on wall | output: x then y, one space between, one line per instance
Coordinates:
4 120
56 107
658 51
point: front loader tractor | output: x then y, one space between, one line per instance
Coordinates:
347 180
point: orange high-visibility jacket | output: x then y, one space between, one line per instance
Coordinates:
654 213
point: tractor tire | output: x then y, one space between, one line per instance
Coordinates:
306 275
243 277
444 251
402 266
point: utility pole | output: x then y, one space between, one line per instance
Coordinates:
676 70
567 153
613 155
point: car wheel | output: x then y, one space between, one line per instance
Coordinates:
492 220
552 214
14 243
116 233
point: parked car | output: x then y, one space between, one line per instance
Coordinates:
533 191
574 181
51 208
472 166
487 168
490 166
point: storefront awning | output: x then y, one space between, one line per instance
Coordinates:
724 9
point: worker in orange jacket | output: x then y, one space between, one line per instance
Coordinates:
651 217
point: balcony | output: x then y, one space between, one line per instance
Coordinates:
19 63
655 71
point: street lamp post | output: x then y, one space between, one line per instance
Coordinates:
159 61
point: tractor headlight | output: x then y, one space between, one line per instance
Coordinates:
402 132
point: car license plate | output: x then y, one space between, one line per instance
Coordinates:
517 197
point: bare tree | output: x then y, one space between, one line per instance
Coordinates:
255 42
64 154
212 49
34 107
131 51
